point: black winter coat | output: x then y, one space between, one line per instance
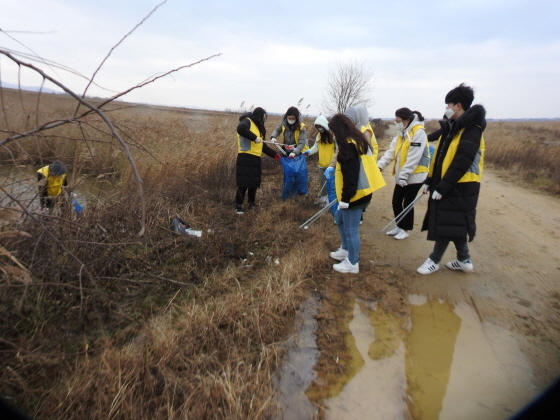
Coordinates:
453 217
249 167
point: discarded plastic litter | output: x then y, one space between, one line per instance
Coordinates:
179 227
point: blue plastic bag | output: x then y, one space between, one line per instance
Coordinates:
295 176
331 193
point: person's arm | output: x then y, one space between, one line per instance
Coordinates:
435 135
350 175
276 131
315 148
302 140
244 130
269 151
389 155
415 152
467 151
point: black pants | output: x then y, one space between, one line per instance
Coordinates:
402 197
441 246
240 195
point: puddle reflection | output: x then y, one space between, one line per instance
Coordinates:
441 363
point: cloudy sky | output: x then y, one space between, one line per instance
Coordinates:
275 53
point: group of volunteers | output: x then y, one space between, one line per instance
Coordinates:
347 149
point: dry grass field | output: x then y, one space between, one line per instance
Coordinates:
112 325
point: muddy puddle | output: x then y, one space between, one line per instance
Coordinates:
440 362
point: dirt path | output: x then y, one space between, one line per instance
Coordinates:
516 254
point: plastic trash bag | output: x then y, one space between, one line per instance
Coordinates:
331 193
179 227
295 176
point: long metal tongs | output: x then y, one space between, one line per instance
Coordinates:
316 216
403 213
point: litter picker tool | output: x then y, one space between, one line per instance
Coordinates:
316 216
274 142
403 213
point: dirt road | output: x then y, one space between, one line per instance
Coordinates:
516 255
449 345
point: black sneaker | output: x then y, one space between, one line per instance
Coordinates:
239 209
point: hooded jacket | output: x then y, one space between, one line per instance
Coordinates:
292 137
455 173
326 150
409 150
359 115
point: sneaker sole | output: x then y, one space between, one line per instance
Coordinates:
338 258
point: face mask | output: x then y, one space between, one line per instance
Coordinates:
399 125
449 113
290 121
321 129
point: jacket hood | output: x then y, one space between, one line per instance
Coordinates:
352 113
322 121
247 114
415 121
363 114
475 115
57 168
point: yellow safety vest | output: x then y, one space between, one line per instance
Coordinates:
373 140
326 153
296 135
54 183
404 146
369 180
474 173
247 146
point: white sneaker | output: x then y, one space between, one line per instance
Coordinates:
394 231
345 266
428 267
403 234
466 265
339 255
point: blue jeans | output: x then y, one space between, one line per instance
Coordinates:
348 223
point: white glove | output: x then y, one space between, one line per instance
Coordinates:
436 195
292 155
403 183
425 189
342 205
273 139
258 140
329 172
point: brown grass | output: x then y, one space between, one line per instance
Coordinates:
115 326
162 326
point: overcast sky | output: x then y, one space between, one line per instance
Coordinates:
275 53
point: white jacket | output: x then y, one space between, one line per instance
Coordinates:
413 157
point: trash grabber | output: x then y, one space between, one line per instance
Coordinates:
403 213
314 218
279 148
274 142
321 189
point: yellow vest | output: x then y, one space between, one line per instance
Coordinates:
369 180
54 183
404 146
247 146
326 152
373 140
296 135
474 173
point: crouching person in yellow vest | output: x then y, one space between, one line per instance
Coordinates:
356 178
409 149
52 179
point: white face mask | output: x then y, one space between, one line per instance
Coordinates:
399 125
449 113
321 129
290 121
